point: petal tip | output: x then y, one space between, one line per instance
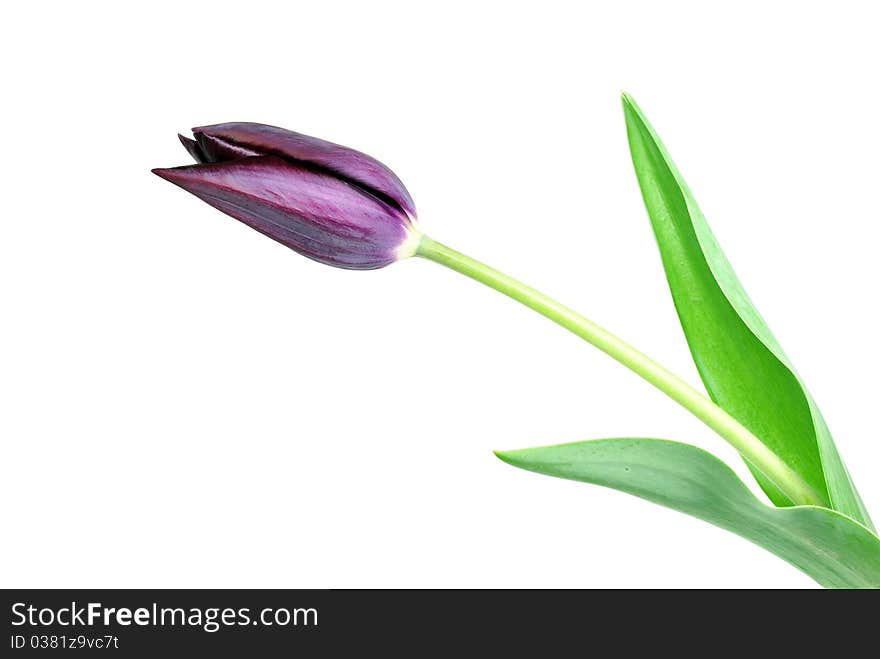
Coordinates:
208 129
193 148
172 174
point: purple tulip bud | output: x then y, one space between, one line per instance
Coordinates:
328 202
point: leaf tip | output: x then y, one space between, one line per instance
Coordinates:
631 109
502 455
510 457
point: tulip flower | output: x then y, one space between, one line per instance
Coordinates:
344 208
328 202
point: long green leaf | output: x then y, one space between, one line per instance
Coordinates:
740 362
833 549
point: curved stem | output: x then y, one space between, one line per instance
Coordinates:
749 446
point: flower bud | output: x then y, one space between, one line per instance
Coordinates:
328 202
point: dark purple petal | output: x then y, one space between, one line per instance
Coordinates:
193 148
217 149
357 167
310 211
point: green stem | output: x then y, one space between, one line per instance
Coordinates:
749 446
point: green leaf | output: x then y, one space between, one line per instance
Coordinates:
740 362
833 549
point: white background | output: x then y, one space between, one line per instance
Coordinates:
186 403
